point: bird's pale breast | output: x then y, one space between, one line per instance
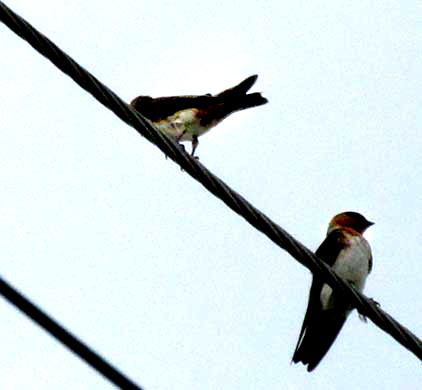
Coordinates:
352 265
183 124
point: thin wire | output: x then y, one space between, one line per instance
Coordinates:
216 186
56 330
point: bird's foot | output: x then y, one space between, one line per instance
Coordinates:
182 147
195 143
372 302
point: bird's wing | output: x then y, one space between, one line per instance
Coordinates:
162 107
328 252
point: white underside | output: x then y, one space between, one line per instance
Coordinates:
182 125
352 265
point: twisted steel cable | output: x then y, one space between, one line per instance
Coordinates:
68 339
193 167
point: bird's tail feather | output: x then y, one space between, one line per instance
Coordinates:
317 340
240 89
252 100
236 98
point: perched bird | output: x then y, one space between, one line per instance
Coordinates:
185 118
348 253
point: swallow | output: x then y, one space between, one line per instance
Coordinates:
185 118
348 253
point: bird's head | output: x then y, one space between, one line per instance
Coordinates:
350 219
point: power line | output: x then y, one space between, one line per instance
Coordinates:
217 187
61 334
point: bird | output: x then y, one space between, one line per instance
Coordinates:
349 255
185 118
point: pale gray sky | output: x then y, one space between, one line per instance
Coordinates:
146 266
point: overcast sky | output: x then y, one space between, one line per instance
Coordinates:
146 266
